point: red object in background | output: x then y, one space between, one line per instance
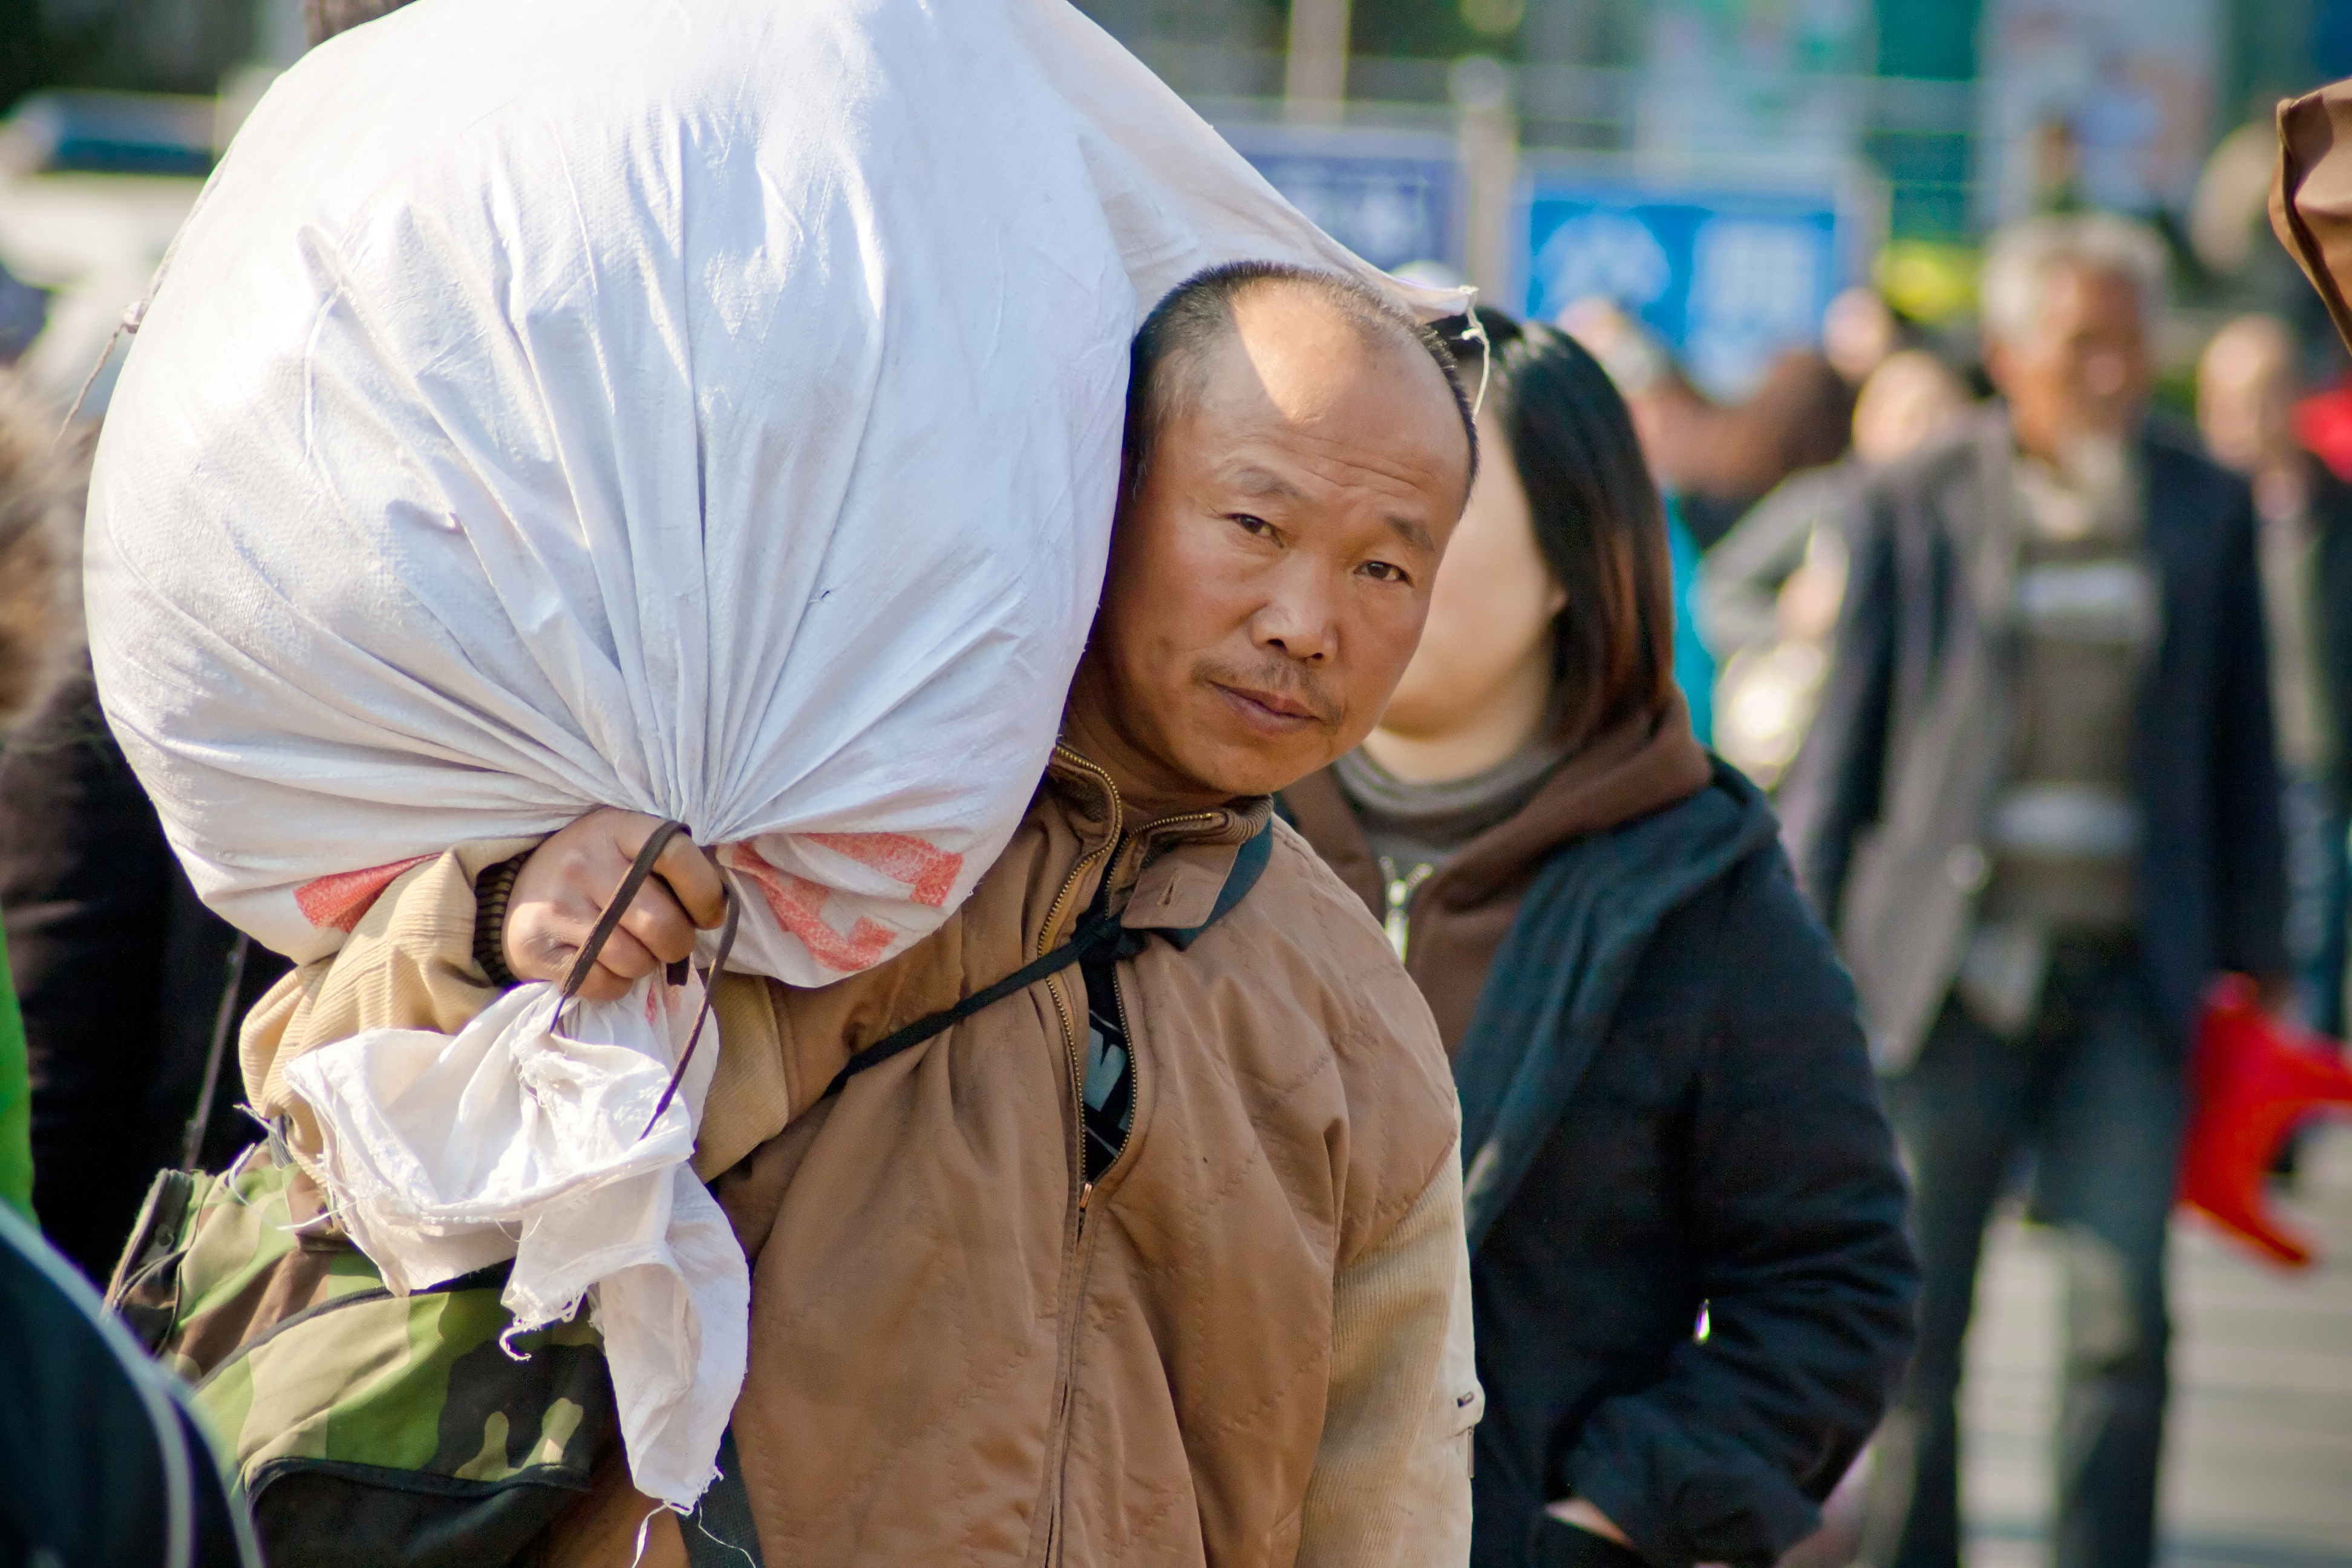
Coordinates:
2254 1076
2323 425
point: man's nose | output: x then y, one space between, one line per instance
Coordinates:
1298 618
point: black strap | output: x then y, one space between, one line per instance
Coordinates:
1099 929
702 1013
1103 929
192 1137
610 921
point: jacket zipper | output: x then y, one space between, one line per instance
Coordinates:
1079 1281
1399 890
1063 1378
1053 915
1054 987
1118 1000
1061 1005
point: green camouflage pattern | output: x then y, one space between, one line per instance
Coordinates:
303 1359
417 1384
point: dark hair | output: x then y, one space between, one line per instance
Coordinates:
1165 362
322 19
1598 521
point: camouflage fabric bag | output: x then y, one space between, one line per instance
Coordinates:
366 1428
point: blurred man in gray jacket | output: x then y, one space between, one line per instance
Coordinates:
2039 809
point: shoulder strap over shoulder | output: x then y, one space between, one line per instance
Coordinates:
1095 931
1249 865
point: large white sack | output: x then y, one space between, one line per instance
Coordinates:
709 410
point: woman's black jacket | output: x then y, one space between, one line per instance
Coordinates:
1693 1285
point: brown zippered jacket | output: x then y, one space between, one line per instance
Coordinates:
1248 1343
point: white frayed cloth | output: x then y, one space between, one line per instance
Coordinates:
446 1155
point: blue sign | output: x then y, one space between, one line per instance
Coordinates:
1728 279
1391 196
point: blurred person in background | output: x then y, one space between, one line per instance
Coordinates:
40 493
1861 331
100 1462
124 978
2247 385
1691 1287
1766 596
2039 807
121 973
1717 459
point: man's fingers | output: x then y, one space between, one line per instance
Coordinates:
566 882
542 945
627 957
694 877
601 985
655 920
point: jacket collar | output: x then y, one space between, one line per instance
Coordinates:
1169 872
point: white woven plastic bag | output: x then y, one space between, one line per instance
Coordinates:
712 411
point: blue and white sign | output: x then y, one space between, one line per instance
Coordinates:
1729 279
1391 196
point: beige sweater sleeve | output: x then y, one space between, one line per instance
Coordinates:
409 964
1391 1481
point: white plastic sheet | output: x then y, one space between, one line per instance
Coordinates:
709 410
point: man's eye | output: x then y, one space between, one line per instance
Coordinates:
1252 525
1383 571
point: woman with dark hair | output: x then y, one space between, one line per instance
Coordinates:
1692 1288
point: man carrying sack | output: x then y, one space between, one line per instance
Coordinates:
713 417
1160 1257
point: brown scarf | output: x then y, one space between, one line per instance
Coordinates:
1462 913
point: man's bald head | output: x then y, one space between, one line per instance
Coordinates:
1176 348
2246 388
2250 347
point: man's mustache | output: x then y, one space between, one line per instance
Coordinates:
1275 678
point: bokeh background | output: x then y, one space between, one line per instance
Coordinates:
1720 167
1718 172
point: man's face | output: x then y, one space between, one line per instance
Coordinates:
2082 373
1268 579
2245 396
